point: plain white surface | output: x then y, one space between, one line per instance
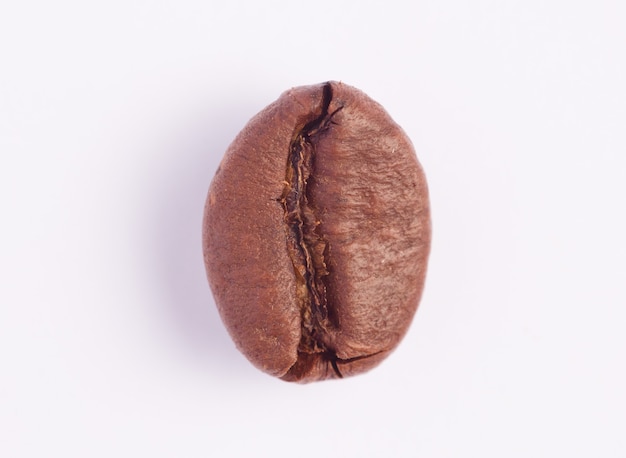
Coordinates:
113 118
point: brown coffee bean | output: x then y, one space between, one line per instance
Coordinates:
316 234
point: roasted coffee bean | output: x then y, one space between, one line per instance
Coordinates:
316 234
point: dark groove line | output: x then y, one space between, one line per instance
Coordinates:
302 222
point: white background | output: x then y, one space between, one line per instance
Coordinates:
113 118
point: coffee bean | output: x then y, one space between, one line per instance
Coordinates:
316 234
